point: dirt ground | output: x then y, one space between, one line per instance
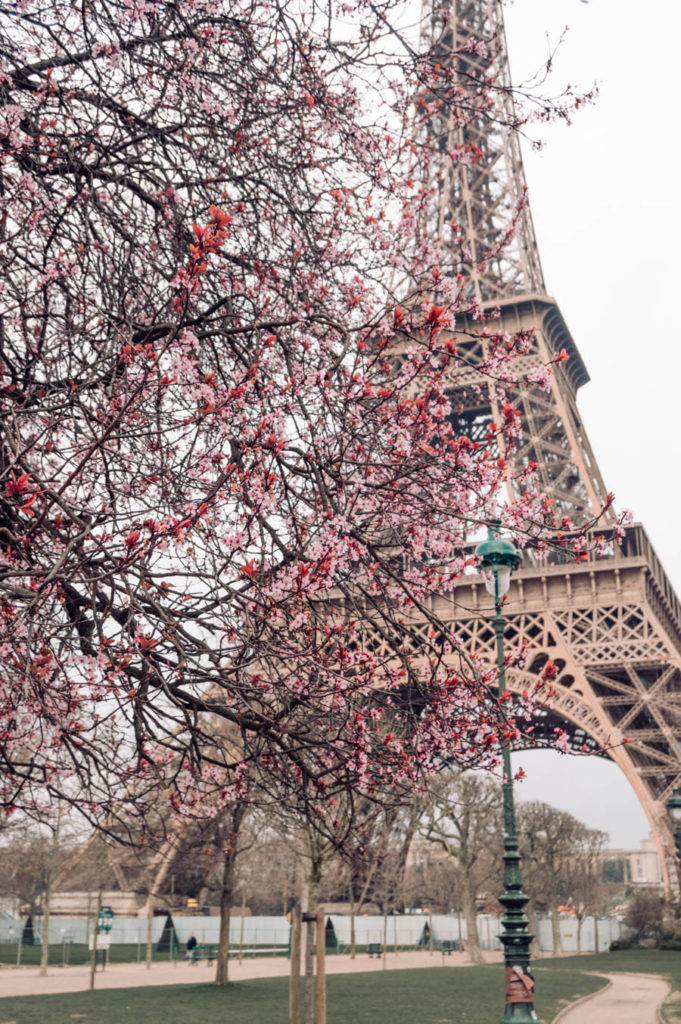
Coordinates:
27 981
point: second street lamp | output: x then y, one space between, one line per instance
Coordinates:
674 812
498 558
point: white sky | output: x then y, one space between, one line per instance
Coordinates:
606 202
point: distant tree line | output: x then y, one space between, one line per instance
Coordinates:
440 852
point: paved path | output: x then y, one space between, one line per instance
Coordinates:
27 981
629 999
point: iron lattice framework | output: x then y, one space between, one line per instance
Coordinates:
552 436
612 626
482 196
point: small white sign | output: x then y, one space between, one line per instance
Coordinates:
103 942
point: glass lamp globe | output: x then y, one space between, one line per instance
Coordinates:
503 577
497 558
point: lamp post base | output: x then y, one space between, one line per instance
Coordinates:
519 1013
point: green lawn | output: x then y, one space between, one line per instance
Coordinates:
433 995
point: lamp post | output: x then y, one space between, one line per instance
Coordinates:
498 558
674 812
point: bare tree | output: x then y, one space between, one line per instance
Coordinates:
232 823
645 916
461 816
584 879
550 839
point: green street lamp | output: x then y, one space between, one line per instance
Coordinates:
498 557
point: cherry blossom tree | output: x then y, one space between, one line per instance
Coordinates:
229 481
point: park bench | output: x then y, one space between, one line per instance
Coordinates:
447 945
208 953
375 949
258 951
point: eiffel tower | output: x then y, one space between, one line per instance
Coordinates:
611 625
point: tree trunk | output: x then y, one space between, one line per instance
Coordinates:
304 902
579 934
310 922
595 933
93 958
353 941
241 925
157 873
87 919
473 939
45 944
222 961
294 982
531 912
555 931
226 896
385 937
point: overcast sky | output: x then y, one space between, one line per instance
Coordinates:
606 203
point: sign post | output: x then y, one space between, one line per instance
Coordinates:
104 926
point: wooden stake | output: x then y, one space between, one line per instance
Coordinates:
294 981
150 927
93 958
321 967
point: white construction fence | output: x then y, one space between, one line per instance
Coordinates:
272 933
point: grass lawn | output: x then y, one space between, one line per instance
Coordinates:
666 962
432 995
78 953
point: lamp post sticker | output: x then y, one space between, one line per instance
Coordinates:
519 986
